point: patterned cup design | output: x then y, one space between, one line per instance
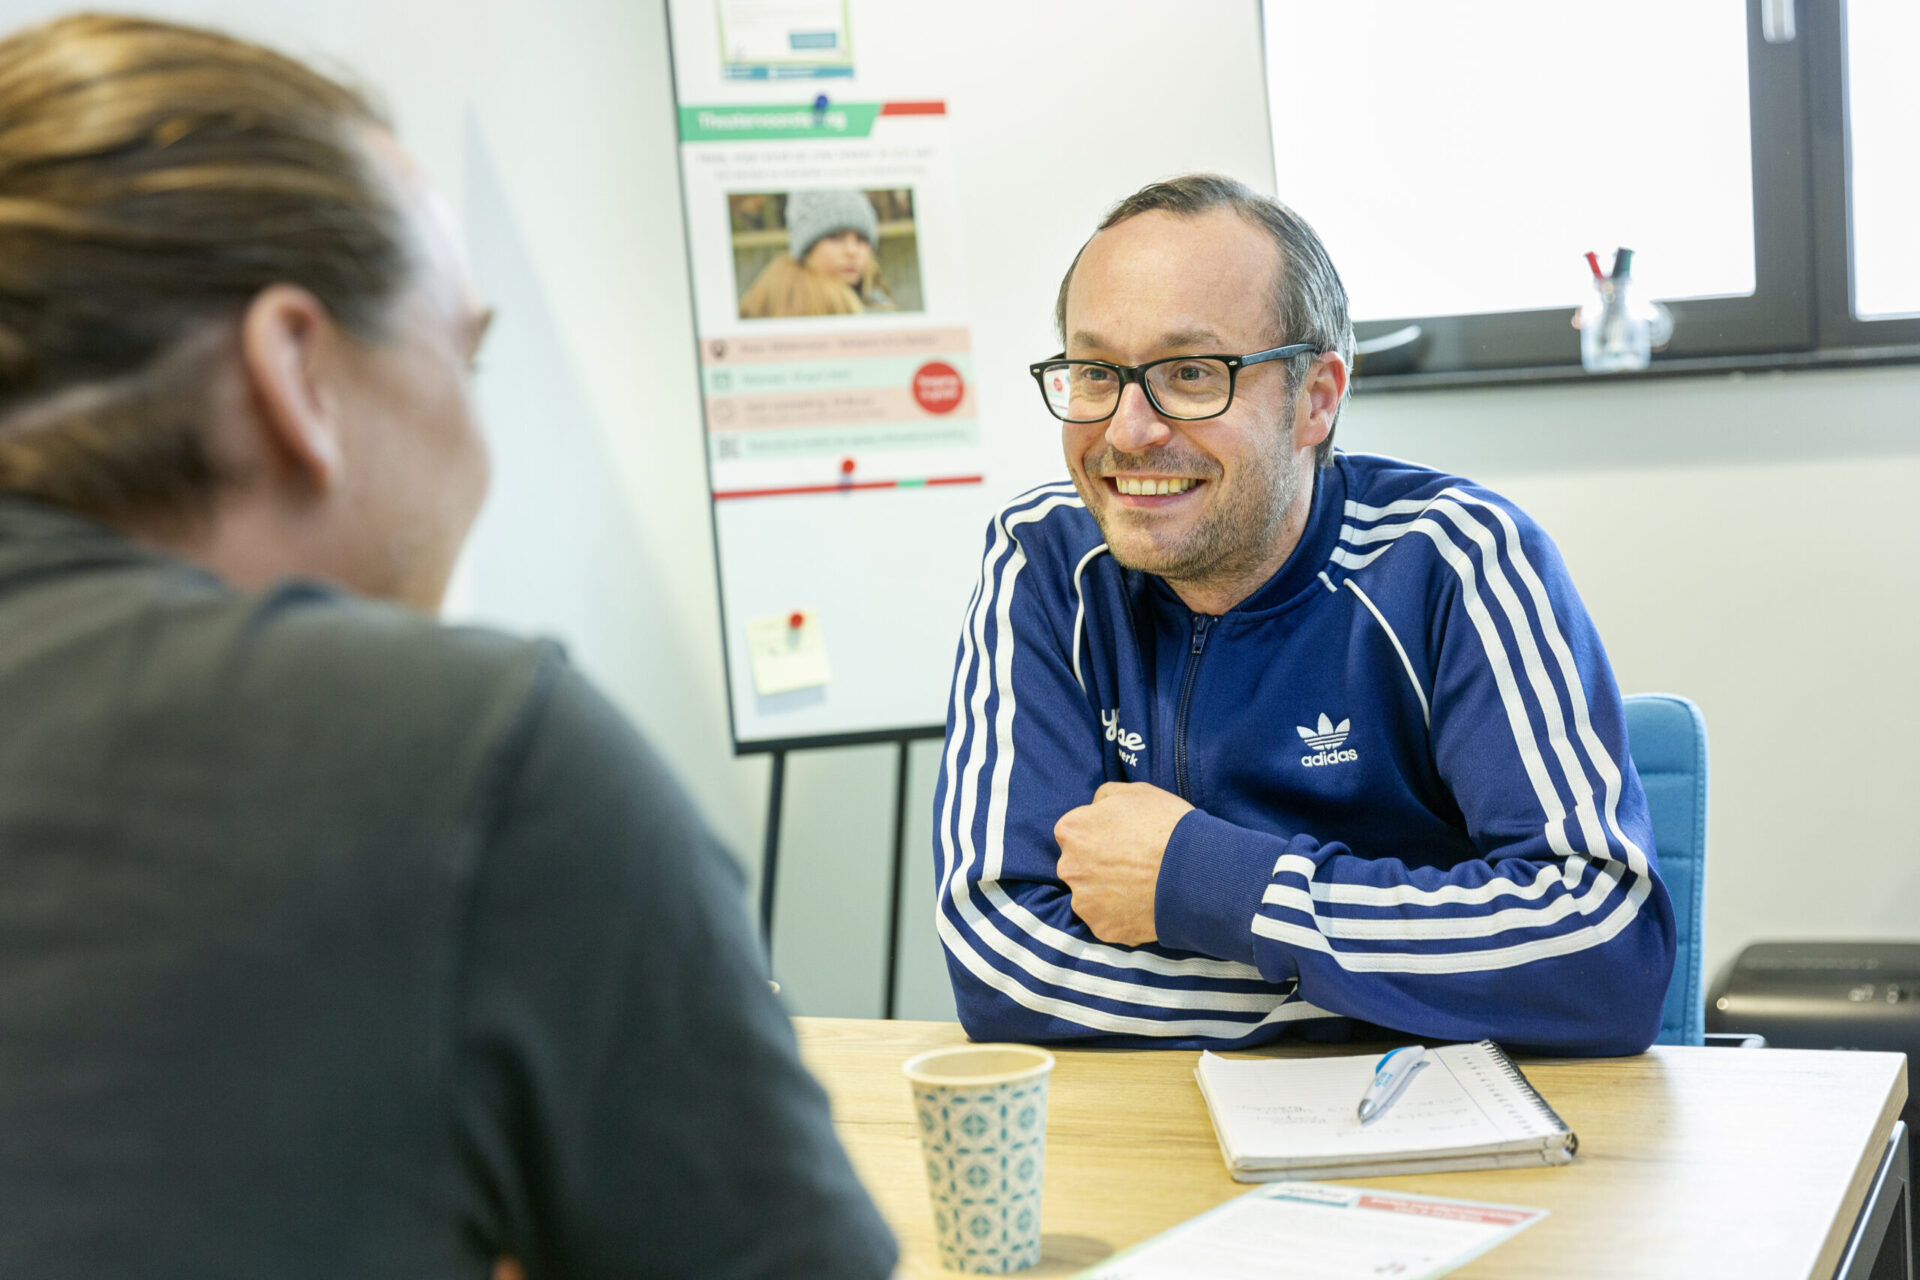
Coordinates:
984 1137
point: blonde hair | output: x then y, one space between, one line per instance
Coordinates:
153 179
788 288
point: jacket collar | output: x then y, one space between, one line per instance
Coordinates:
1299 577
35 537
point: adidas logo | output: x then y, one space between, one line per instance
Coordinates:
1328 735
1325 739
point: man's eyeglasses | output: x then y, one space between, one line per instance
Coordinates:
1185 388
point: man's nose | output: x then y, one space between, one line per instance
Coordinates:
1134 425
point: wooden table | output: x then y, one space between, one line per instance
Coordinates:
1692 1162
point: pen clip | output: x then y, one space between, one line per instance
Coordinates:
1379 1098
1381 1065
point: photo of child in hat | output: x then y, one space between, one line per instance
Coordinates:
829 260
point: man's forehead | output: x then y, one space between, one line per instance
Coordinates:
1220 234
1174 282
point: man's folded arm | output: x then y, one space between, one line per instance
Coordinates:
1540 952
1023 747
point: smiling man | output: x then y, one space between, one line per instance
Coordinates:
1250 735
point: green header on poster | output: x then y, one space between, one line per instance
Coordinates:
757 123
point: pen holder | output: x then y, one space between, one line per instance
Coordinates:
982 1113
1619 329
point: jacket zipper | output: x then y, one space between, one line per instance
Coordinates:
1201 624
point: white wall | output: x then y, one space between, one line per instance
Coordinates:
1746 542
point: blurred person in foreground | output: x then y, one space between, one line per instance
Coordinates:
333 941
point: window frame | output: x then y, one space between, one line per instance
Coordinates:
1800 311
1824 31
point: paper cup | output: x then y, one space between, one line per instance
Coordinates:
982 1110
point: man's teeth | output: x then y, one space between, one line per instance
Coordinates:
1147 488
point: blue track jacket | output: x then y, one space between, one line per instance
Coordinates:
1413 801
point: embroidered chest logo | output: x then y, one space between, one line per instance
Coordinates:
1129 745
1324 742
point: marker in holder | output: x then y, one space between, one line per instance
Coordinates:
1619 329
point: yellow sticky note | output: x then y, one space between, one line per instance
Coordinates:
789 652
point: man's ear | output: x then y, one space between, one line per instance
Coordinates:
290 348
1325 386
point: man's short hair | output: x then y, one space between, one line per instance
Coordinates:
1309 302
156 178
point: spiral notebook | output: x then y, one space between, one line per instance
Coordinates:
1467 1107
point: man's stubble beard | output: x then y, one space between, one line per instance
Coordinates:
1232 539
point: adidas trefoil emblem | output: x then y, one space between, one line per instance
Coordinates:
1325 740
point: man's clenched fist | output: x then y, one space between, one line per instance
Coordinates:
1110 852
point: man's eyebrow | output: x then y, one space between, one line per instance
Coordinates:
1190 338
1194 339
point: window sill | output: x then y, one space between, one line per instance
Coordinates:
1547 375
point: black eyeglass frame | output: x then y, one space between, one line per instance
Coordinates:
1138 373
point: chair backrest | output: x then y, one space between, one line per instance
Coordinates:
1668 739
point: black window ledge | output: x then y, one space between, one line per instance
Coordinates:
1692 366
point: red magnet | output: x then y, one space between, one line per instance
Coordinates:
796 620
846 466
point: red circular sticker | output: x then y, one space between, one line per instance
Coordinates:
937 386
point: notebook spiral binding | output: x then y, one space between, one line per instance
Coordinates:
1513 1072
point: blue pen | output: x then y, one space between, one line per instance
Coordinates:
1390 1077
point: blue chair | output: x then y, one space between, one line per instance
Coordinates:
1667 737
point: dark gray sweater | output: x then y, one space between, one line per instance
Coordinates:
335 942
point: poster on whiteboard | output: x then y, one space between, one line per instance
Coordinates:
835 353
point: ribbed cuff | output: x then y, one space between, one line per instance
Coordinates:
1211 882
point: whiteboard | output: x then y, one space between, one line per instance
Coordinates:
1052 112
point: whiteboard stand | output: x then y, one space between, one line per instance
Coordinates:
770 856
895 876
